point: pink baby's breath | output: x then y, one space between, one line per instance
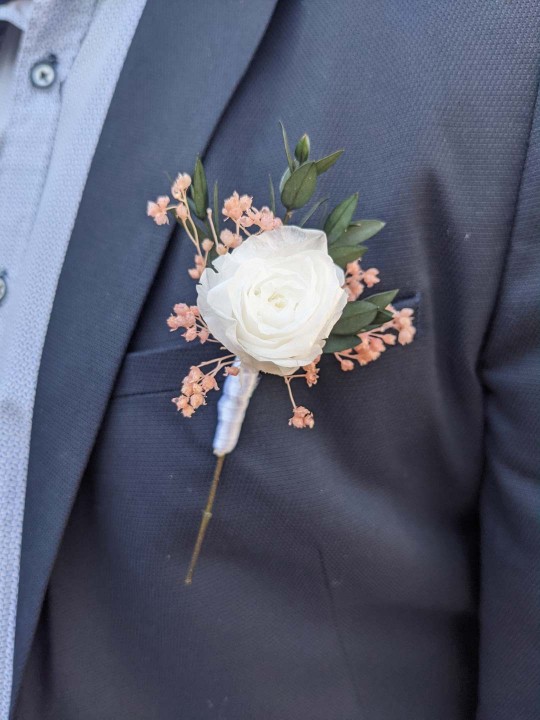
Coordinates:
373 343
198 383
235 206
312 373
357 279
403 323
180 185
182 212
302 418
158 210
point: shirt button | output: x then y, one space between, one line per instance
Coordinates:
43 73
3 285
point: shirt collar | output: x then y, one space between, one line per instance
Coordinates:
16 12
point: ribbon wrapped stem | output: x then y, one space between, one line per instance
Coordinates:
232 408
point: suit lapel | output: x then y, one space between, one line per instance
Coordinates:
185 61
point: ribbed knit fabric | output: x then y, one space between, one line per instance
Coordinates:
45 156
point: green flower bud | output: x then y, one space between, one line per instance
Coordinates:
301 151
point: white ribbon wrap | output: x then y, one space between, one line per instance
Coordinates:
231 409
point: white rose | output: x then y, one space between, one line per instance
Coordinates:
273 300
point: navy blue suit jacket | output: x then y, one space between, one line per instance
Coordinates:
385 565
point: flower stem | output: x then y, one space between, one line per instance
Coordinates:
211 223
207 514
288 384
215 360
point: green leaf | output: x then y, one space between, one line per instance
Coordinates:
301 151
202 230
382 300
216 208
199 190
357 234
272 195
299 188
356 317
365 229
326 163
349 238
342 255
337 343
382 317
340 217
286 175
312 211
290 161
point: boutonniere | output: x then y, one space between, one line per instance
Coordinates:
274 296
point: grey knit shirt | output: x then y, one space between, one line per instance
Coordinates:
48 135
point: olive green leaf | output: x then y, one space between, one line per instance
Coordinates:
360 231
299 188
301 151
349 238
272 195
290 160
326 163
199 190
356 317
286 175
312 211
202 230
340 217
342 255
337 343
382 300
382 317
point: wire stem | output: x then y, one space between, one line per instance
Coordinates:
207 514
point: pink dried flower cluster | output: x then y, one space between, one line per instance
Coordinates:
158 210
180 186
302 418
373 343
229 241
403 323
238 208
195 387
357 279
189 318
200 264
197 384
235 206
312 373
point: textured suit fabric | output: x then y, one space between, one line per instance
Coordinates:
383 565
510 503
